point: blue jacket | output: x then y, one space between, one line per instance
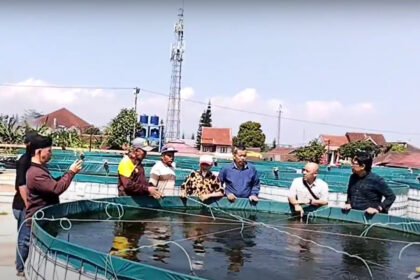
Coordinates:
240 182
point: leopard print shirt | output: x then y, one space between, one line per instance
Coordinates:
196 184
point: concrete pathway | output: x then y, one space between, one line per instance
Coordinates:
8 237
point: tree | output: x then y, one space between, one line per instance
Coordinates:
183 135
274 145
67 138
120 130
192 137
312 152
43 129
395 148
205 121
350 150
10 131
250 134
93 130
31 114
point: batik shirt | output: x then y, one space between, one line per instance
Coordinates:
196 184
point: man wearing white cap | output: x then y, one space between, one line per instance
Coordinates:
162 174
202 183
131 176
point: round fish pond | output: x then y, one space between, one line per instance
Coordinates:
174 238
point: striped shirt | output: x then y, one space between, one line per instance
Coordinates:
162 177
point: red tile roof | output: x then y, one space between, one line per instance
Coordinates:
399 159
379 139
216 136
183 148
281 151
334 142
63 118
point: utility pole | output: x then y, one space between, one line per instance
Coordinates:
173 117
278 125
136 93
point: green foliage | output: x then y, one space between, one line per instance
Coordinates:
93 130
351 149
31 114
120 130
274 145
249 135
41 130
66 138
312 152
205 121
395 148
193 137
10 131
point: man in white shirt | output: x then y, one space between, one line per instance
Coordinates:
309 189
162 174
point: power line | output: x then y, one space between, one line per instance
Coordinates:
66 87
217 106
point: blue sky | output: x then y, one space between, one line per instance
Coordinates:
354 63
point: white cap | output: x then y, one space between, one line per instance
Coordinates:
206 159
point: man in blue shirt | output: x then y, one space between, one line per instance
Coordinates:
240 178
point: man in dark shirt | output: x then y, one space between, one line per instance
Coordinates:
43 190
132 179
240 178
366 189
19 200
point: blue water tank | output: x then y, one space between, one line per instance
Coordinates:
144 119
154 120
154 133
142 133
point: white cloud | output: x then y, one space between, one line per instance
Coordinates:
187 93
322 110
99 106
245 96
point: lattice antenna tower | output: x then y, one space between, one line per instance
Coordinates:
173 117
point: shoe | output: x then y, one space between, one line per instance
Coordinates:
20 274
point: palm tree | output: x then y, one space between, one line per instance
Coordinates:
10 131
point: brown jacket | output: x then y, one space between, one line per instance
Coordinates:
134 185
43 190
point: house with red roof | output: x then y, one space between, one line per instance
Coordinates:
332 143
62 119
377 139
281 154
216 140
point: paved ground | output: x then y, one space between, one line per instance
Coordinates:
8 236
8 231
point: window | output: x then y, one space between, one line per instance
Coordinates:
224 150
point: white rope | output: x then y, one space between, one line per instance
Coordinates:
68 221
341 234
40 215
323 246
366 231
405 247
301 238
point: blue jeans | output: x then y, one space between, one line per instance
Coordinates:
23 239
